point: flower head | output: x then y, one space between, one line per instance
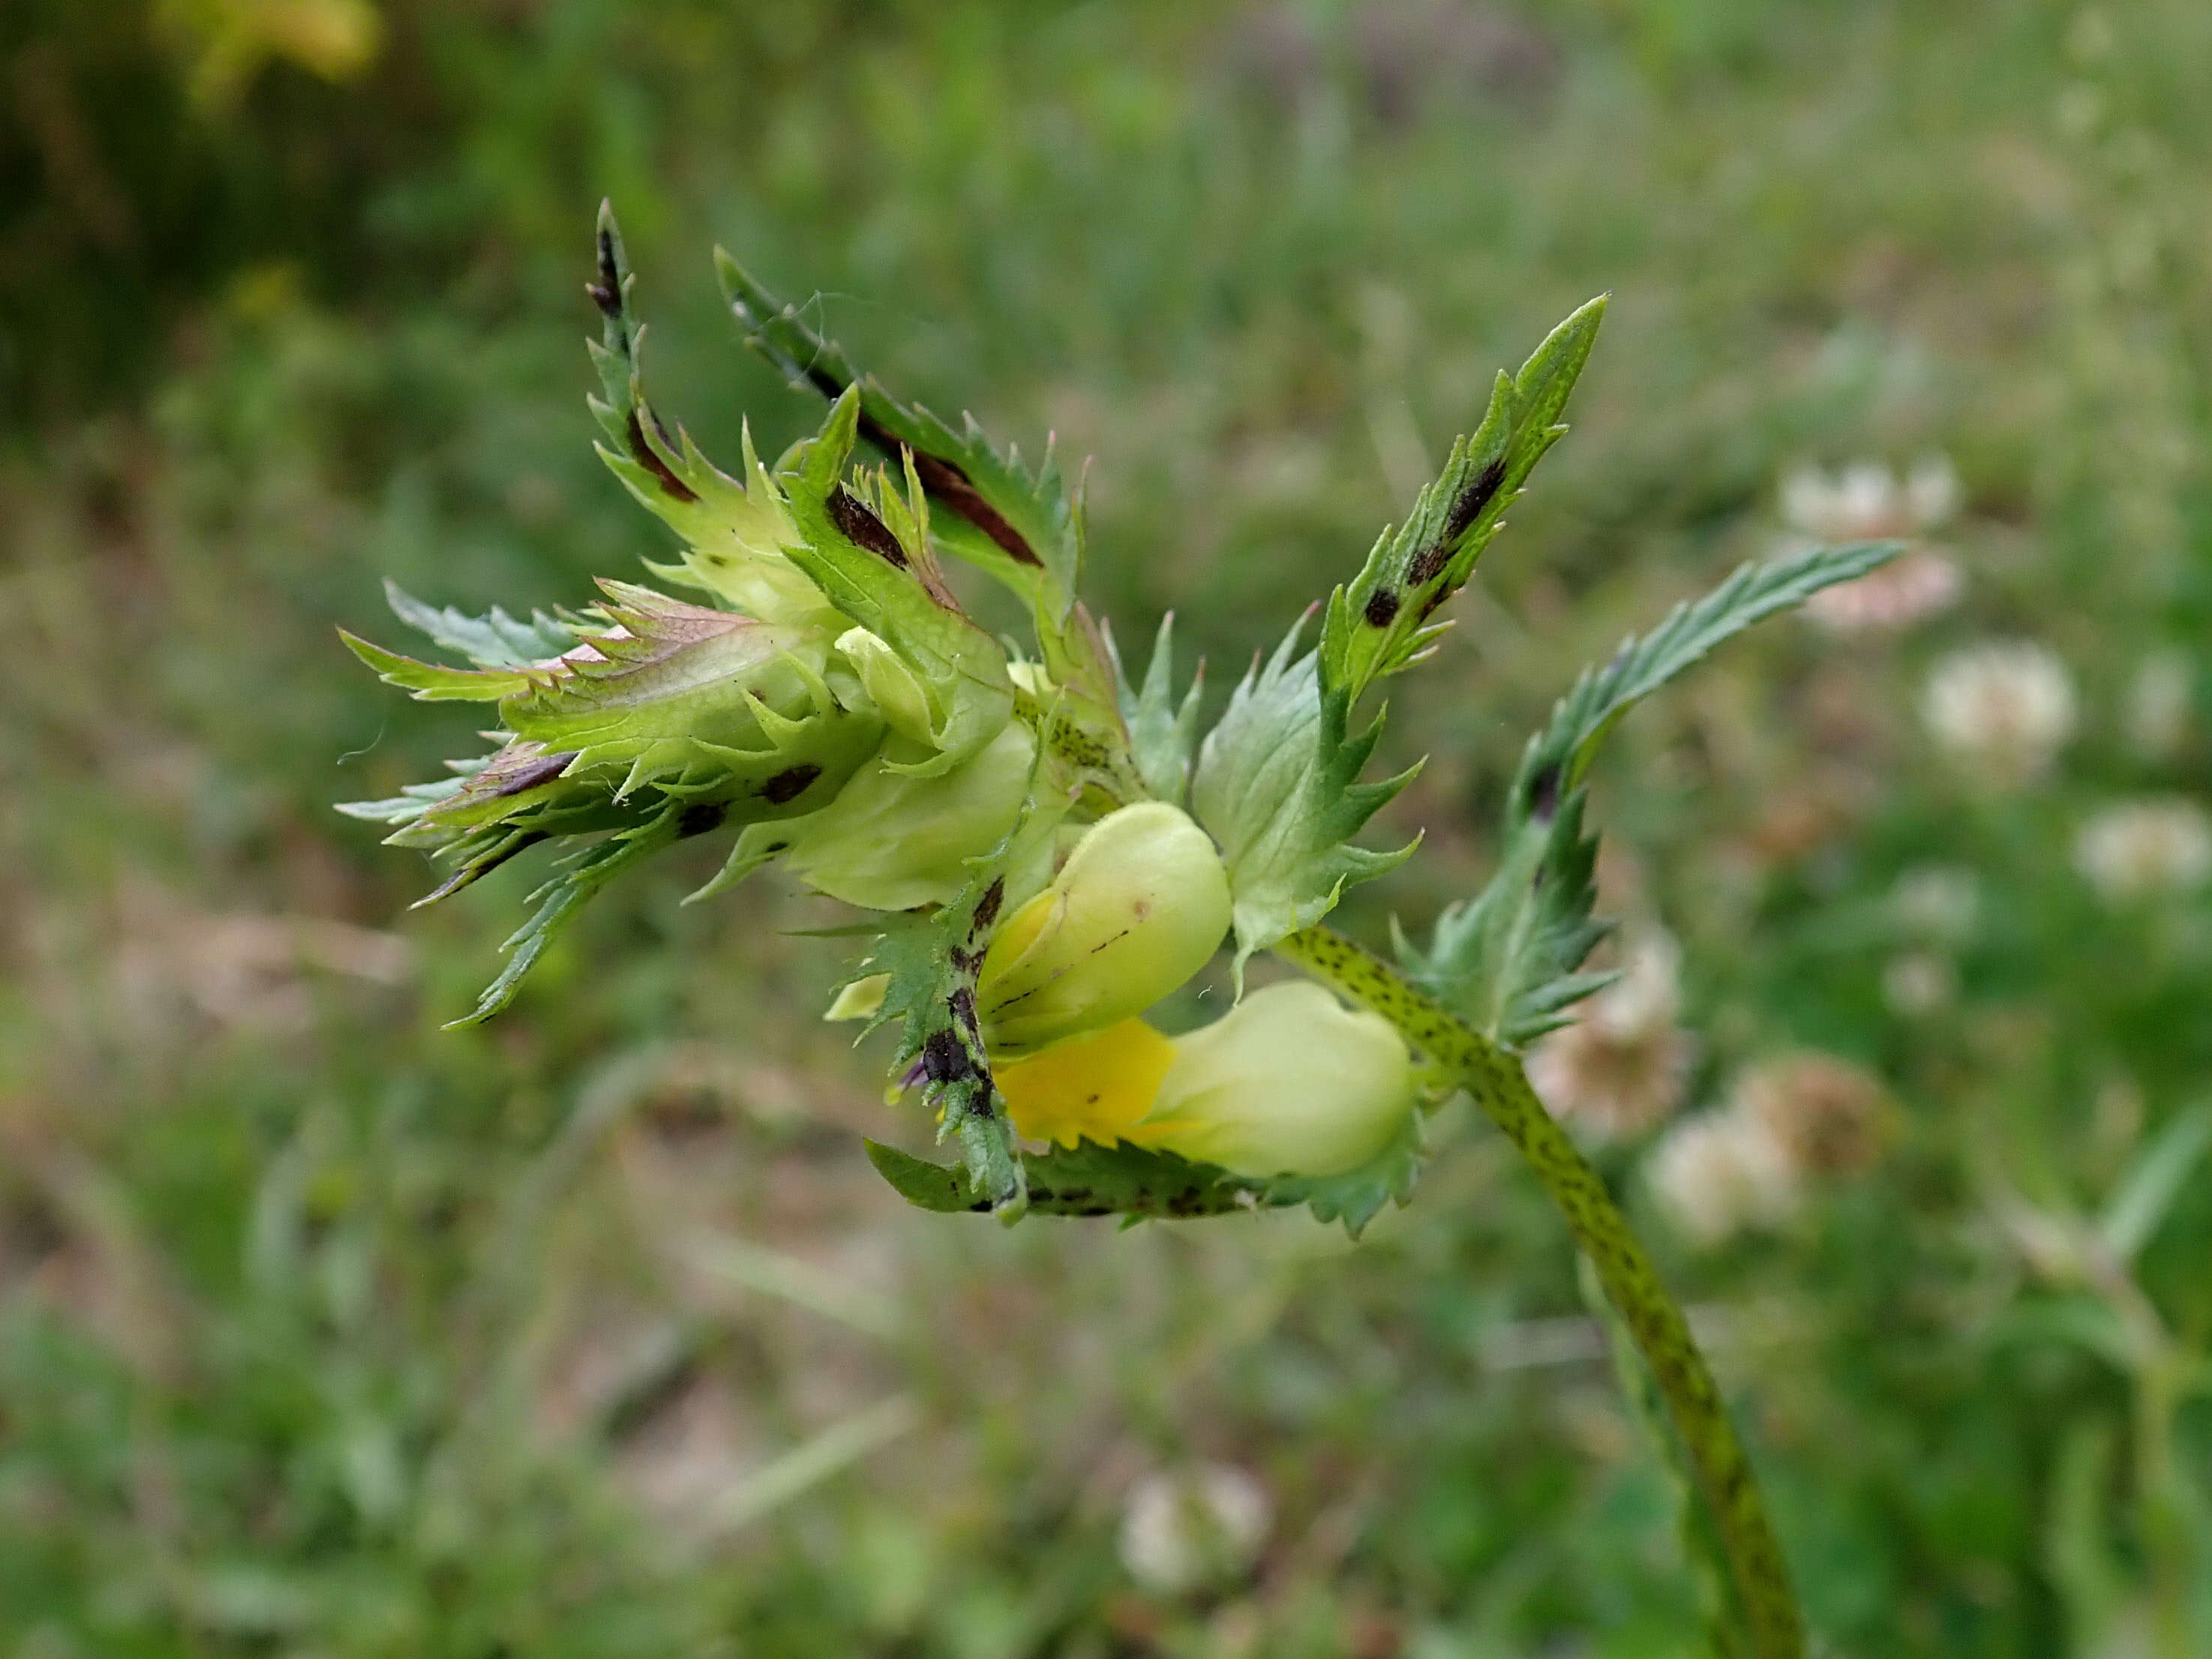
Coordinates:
2159 705
1825 1113
1189 1527
2140 849
1720 1172
1621 1066
2006 708
1866 502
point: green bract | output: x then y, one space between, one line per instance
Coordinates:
893 841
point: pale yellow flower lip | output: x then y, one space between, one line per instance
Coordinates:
1289 1082
1140 906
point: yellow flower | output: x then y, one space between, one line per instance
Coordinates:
1288 1082
1092 1088
1140 905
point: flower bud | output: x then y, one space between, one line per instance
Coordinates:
1288 1082
1140 905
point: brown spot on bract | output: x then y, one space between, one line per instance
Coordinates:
649 458
986 908
1382 609
606 293
700 816
1477 496
1431 561
863 528
528 776
790 784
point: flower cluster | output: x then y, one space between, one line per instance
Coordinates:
1866 499
1044 852
835 706
2145 848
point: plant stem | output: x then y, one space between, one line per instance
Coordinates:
1493 1076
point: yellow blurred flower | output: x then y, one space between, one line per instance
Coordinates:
230 41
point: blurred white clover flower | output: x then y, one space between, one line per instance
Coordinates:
2158 707
2005 707
2141 848
1919 983
1622 1066
1826 1114
1720 1172
1937 901
1866 502
1184 1529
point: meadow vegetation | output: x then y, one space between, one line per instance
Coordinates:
590 1331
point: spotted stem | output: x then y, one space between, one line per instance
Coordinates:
1493 1076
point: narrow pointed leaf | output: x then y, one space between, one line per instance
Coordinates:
1380 623
1506 961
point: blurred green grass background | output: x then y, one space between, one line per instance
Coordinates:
324 1332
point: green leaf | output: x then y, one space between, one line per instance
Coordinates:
671 691
2148 1190
735 533
1161 730
1085 1179
1025 528
1379 624
1140 1183
1019 526
1506 962
933 958
1277 787
560 899
1356 1196
410 804
1558 758
495 639
432 683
